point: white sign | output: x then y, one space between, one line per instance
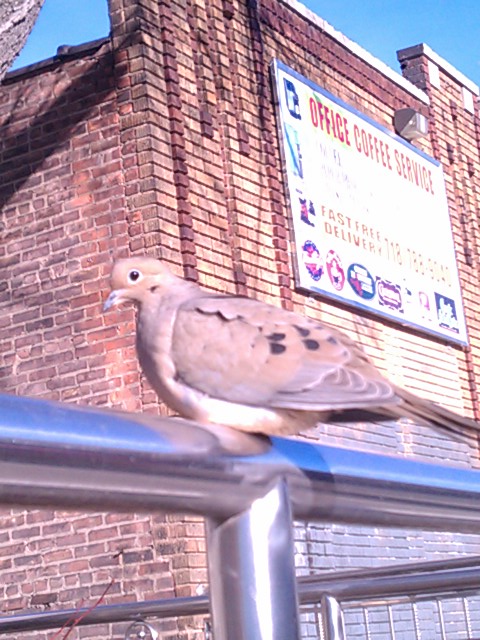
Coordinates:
370 213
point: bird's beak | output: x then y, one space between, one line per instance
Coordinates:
116 297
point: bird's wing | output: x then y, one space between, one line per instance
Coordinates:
246 351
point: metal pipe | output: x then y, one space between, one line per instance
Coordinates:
252 572
461 577
106 614
72 457
332 618
426 566
382 588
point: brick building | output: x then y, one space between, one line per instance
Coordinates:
162 140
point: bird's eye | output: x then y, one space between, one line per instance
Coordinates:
134 276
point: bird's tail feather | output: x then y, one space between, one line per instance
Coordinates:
425 412
418 410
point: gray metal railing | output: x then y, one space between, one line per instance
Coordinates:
248 488
332 591
392 585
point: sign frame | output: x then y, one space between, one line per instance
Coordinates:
353 284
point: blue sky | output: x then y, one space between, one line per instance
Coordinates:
62 22
449 27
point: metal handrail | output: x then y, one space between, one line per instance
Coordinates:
74 457
248 487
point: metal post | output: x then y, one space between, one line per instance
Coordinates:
252 571
332 618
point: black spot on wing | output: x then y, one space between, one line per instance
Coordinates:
276 337
311 345
332 340
276 348
274 342
302 331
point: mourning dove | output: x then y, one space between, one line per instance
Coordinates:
242 363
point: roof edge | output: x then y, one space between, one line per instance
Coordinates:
358 51
64 52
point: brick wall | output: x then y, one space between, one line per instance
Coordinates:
162 140
455 142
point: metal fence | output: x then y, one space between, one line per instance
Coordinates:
411 601
384 602
249 489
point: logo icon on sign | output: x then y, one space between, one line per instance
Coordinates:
389 295
446 313
312 260
335 270
361 281
291 97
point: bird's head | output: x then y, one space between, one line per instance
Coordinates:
135 279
